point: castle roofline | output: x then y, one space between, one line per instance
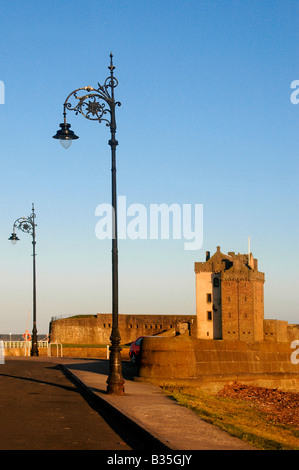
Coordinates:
231 265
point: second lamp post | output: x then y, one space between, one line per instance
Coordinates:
28 225
92 105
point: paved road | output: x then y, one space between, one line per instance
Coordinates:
40 409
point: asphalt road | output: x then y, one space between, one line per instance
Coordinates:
40 409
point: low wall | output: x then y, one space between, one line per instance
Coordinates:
21 352
96 329
209 363
95 353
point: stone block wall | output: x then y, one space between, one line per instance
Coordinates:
242 310
276 330
293 332
185 358
96 329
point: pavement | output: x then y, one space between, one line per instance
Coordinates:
146 410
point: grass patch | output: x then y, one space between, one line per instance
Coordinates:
240 419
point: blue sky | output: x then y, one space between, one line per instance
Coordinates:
206 118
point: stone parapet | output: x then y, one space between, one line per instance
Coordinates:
186 358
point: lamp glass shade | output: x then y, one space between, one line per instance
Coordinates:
66 143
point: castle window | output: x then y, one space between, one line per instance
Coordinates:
209 298
216 282
209 315
228 299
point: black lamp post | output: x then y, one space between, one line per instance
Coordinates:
28 225
92 105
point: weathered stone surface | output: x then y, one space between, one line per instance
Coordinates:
96 329
186 358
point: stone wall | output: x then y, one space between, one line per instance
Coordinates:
96 329
293 332
211 362
276 330
280 331
242 310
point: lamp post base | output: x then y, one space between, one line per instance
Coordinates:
34 352
115 388
115 381
34 348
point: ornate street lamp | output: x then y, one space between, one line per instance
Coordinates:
28 225
92 105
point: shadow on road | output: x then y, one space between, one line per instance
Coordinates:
44 382
101 366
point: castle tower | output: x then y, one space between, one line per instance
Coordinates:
229 297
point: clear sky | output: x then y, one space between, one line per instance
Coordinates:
206 118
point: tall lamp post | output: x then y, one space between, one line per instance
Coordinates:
28 225
92 105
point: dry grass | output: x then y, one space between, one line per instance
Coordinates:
242 419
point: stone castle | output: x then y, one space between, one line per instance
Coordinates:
229 306
230 301
229 297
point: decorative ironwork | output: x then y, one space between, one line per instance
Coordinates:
93 105
25 224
